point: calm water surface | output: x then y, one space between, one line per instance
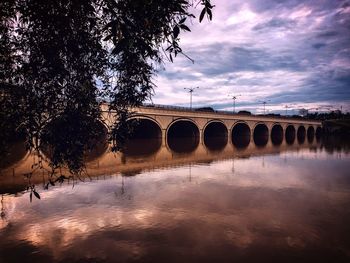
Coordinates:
288 203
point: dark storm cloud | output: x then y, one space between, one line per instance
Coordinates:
319 45
317 88
288 51
275 5
328 34
275 23
222 58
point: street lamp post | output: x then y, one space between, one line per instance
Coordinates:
234 103
264 103
190 90
286 109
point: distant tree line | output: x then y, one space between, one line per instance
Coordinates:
332 115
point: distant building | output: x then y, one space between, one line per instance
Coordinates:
303 112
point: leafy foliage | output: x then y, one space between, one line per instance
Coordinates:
61 59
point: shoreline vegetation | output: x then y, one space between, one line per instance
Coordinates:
338 127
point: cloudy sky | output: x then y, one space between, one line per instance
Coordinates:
293 53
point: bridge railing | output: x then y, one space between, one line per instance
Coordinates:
198 110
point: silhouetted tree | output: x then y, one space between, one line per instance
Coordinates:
60 59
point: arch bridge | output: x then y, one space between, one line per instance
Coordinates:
170 123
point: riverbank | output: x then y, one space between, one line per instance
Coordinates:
339 127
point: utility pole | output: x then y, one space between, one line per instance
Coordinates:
288 106
264 103
190 90
234 102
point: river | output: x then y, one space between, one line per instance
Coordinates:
272 203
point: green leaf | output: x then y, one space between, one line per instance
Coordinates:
176 31
184 27
36 194
182 20
210 13
202 14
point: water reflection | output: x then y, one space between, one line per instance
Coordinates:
201 207
241 135
301 134
142 147
335 144
241 142
71 140
16 152
310 138
141 154
183 145
261 140
277 140
277 134
261 135
215 143
290 134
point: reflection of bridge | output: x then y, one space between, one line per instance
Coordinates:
12 180
165 134
171 122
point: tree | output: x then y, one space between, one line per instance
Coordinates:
59 59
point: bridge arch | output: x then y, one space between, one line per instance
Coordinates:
56 134
16 150
146 127
261 134
290 134
215 135
240 134
318 132
185 129
301 134
310 133
276 134
147 132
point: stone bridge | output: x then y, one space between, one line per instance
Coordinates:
170 123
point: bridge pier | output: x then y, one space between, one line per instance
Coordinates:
164 139
201 136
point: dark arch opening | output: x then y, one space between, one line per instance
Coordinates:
145 129
277 134
290 134
301 134
215 136
310 134
74 139
183 136
98 145
241 135
318 133
14 151
145 138
261 135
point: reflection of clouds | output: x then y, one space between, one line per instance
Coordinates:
9 208
278 206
